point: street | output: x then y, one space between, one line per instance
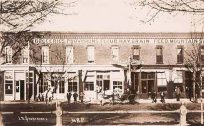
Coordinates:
48 117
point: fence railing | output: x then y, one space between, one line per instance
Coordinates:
58 112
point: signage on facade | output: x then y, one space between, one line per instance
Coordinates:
117 41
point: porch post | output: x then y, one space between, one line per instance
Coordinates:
1 119
58 113
183 113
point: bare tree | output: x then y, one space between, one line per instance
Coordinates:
20 15
193 63
195 7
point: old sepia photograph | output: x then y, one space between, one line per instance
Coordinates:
101 62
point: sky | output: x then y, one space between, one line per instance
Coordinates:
116 16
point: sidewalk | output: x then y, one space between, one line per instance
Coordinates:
166 100
138 100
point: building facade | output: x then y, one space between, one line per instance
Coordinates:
95 63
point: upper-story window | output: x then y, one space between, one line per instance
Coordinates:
202 54
136 52
180 55
45 54
115 53
69 54
8 54
159 54
91 54
25 53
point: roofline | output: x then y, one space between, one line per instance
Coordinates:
140 35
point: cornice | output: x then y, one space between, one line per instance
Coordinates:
121 35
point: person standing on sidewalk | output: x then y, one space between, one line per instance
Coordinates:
75 95
178 93
81 96
69 95
153 96
162 95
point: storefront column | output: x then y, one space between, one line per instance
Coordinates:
184 83
155 82
25 86
140 84
80 81
33 98
14 86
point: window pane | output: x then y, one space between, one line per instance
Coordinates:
179 51
115 53
89 86
90 51
9 88
159 51
69 54
45 54
25 53
8 54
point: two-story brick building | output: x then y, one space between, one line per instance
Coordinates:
95 63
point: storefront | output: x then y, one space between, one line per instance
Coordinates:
18 85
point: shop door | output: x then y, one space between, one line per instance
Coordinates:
147 86
106 85
17 90
20 90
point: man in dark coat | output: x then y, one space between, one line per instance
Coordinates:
75 95
153 96
69 94
178 93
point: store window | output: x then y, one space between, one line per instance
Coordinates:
159 55
61 86
44 85
8 54
117 85
161 81
72 85
8 83
45 54
91 54
69 54
89 86
103 81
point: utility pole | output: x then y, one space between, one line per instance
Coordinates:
130 83
28 80
201 87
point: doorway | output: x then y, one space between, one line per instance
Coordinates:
106 85
147 86
20 90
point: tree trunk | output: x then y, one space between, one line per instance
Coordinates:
194 93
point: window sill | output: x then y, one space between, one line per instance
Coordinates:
159 63
45 63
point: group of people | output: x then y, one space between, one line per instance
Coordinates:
46 96
162 95
154 96
75 96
